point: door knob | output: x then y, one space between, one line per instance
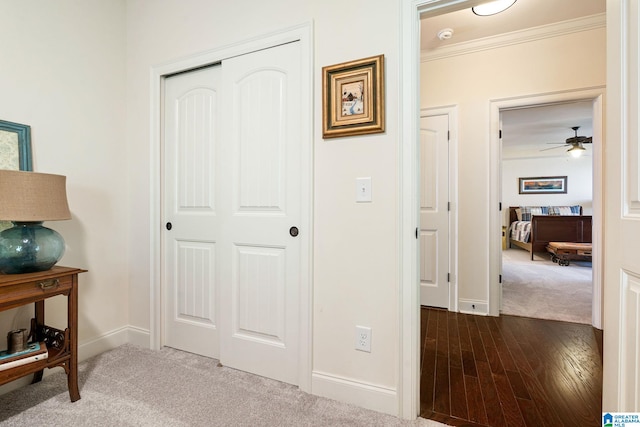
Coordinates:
169 226
293 231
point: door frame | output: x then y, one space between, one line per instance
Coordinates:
408 383
595 95
303 34
452 113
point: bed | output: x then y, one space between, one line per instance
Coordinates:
550 227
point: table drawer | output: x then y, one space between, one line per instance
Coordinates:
23 293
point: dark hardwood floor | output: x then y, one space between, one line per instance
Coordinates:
509 371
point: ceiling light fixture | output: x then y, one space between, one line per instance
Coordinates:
492 7
576 150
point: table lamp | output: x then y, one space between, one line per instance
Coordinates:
27 199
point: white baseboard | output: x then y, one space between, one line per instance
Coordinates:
469 306
113 339
369 396
140 337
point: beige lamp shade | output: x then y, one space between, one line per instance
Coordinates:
31 196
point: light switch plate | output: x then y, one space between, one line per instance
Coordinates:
363 189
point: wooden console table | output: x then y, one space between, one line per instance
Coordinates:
20 289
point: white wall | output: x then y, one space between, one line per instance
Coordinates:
471 81
579 182
62 71
355 245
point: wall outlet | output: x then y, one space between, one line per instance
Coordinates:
363 338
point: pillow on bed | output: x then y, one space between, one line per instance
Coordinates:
564 210
519 214
528 211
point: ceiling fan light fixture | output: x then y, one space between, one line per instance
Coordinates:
492 7
576 151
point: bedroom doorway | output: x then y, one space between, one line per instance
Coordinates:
534 143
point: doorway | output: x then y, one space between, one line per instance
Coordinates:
594 101
534 144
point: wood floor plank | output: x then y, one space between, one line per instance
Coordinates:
510 408
475 403
427 375
455 355
517 385
490 395
519 357
469 364
476 340
442 390
463 333
458 393
530 413
492 355
501 346
544 405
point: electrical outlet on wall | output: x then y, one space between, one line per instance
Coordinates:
363 338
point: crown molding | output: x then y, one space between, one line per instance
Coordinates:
516 37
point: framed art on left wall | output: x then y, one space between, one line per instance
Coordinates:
15 150
353 98
15 146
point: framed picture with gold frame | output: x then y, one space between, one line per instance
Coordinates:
353 98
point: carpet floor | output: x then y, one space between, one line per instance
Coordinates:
543 289
132 386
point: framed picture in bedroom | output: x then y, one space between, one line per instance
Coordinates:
543 185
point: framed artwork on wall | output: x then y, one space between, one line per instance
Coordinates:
543 185
15 146
15 151
353 98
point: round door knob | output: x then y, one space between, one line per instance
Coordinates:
293 231
169 226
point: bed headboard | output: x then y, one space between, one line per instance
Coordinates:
514 217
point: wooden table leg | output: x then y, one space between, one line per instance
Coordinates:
72 322
39 315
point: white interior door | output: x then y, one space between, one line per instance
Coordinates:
434 211
260 253
191 203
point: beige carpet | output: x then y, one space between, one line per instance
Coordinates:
545 290
131 386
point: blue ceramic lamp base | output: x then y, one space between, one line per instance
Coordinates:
29 246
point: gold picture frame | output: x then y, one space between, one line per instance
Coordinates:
353 98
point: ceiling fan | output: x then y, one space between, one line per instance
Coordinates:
576 142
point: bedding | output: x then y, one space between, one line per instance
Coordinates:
520 231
